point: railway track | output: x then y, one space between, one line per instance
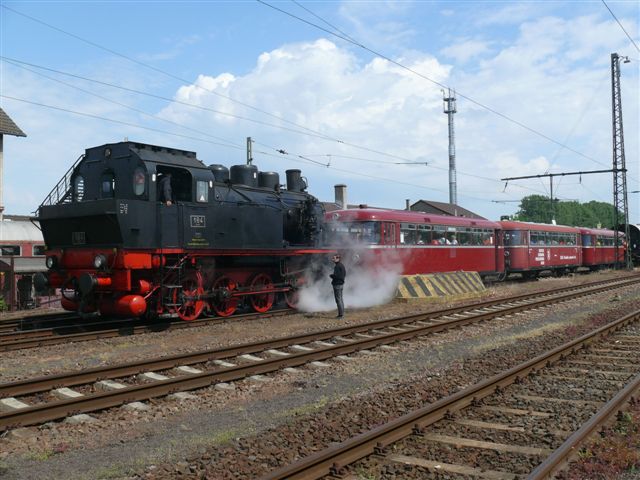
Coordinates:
16 337
40 398
527 421
100 329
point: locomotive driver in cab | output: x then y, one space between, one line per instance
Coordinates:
337 281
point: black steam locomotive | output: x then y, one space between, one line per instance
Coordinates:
136 229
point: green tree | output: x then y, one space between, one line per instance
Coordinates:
537 208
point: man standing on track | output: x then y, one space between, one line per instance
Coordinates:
337 281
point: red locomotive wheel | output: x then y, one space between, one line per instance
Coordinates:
224 304
262 302
292 297
189 306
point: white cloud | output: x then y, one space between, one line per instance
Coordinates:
553 76
465 50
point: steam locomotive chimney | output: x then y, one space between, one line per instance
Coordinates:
341 195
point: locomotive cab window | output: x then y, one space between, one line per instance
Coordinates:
78 188
139 181
179 184
38 250
202 191
107 185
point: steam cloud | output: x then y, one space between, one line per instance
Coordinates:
369 281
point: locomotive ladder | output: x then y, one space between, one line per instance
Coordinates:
174 273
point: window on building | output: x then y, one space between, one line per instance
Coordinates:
10 250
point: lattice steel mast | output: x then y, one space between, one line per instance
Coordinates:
620 202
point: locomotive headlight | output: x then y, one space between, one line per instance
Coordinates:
100 261
51 262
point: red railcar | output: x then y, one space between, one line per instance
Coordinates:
531 248
598 248
417 242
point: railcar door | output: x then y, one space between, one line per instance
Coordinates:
389 234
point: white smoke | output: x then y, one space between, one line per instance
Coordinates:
369 281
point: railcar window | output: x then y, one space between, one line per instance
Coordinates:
408 234
10 250
139 181
359 232
38 250
78 188
202 191
513 237
587 240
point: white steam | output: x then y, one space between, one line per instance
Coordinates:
369 281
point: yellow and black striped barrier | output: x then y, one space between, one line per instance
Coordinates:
440 285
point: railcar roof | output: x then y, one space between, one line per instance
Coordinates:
598 231
543 227
371 214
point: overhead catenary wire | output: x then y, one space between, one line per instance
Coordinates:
311 132
200 87
435 82
343 37
621 26
21 64
238 147
120 122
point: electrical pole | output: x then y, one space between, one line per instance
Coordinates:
620 201
450 109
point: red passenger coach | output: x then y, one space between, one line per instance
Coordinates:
598 248
531 248
418 242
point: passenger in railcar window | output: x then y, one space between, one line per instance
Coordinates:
452 240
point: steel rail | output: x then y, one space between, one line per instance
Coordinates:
32 338
48 337
565 452
333 459
54 410
40 384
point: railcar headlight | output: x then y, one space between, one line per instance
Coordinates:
100 261
51 262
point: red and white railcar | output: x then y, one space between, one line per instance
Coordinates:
417 242
598 248
531 248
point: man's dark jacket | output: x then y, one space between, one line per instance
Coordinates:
339 272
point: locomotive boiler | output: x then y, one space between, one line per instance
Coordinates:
224 236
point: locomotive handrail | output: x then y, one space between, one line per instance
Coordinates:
64 185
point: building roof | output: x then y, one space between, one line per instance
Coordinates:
8 126
442 208
19 229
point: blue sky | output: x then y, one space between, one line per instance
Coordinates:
533 83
